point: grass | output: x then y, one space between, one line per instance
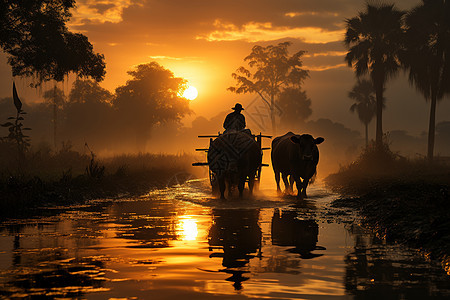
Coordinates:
403 201
375 170
45 178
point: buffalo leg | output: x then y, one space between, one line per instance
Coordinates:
251 183
241 185
305 184
286 183
277 179
299 185
291 183
221 180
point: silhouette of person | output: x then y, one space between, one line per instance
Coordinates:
235 120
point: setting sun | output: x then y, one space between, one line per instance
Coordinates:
190 93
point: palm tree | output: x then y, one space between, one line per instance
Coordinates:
365 104
428 55
374 40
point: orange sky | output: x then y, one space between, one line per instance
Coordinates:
204 41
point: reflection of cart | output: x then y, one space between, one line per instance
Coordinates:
229 151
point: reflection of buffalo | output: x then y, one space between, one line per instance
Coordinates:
287 230
237 232
233 157
295 156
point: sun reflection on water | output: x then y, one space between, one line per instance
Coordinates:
187 228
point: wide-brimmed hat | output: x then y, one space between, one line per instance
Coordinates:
238 106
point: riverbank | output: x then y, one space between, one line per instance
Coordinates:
72 178
403 201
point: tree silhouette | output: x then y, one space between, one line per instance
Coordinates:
38 43
89 115
151 97
365 104
88 91
295 105
428 55
273 70
374 40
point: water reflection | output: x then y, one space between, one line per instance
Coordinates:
375 270
42 264
163 247
289 230
145 223
237 233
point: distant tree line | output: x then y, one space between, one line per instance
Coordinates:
108 121
382 40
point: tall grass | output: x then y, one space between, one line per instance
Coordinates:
44 177
380 168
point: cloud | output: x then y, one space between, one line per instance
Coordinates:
254 32
325 67
99 11
190 59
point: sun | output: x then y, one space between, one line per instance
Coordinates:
190 93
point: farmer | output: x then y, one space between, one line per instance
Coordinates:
235 120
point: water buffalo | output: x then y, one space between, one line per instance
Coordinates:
232 158
295 156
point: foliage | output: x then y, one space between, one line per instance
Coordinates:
295 106
151 97
427 55
374 41
35 37
16 128
55 97
16 134
273 71
94 169
88 91
365 105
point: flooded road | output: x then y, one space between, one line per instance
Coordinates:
181 242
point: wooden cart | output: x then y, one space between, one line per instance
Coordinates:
212 174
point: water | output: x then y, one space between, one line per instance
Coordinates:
182 243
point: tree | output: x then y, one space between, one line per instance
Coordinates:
365 104
428 55
151 97
89 115
38 43
56 98
374 39
273 70
88 91
295 106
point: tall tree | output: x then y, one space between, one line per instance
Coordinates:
374 41
428 55
151 97
295 106
272 70
365 104
38 43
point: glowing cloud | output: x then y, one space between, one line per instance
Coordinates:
101 12
254 32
